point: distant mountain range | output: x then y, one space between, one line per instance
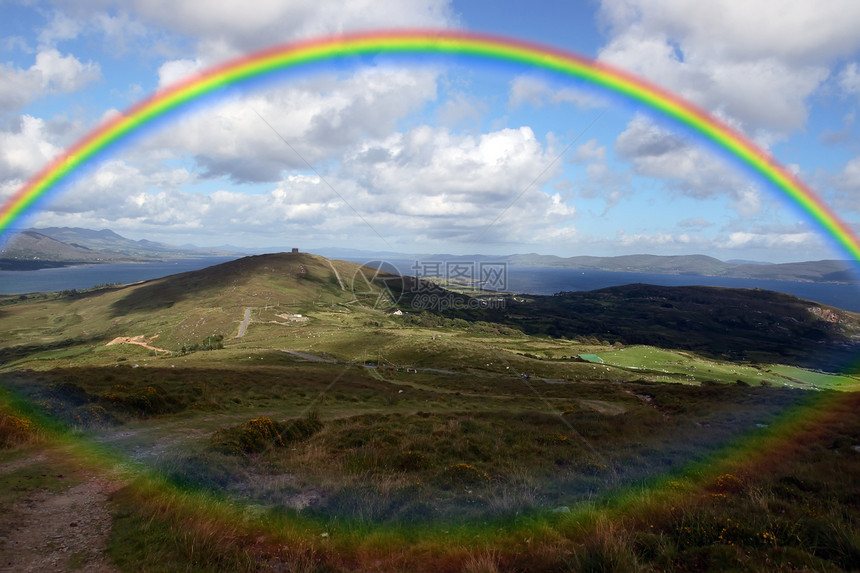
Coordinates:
829 271
64 246
809 271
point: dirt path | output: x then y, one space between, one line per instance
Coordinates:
138 340
58 531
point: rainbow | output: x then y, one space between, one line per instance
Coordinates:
427 42
751 451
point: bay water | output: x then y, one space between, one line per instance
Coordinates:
533 280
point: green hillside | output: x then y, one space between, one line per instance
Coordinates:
185 308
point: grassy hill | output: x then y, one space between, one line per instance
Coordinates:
737 324
184 308
267 291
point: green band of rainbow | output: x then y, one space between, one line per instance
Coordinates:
430 42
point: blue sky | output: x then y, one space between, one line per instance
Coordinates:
441 157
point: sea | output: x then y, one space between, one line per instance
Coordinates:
533 280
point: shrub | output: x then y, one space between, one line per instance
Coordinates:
462 475
727 483
261 434
15 431
69 393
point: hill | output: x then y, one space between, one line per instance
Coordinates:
33 250
832 271
181 310
65 246
107 241
184 308
807 271
737 324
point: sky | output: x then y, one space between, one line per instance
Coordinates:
441 157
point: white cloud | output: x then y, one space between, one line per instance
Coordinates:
175 70
431 161
61 27
537 92
684 167
51 72
643 242
230 27
755 62
753 240
849 79
423 185
318 118
24 151
64 73
121 30
18 88
602 181
591 150
462 187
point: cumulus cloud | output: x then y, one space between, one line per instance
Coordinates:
660 240
64 73
175 70
759 240
24 150
227 29
591 150
754 62
431 161
424 185
682 166
610 183
60 27
255 137
466 187
51 72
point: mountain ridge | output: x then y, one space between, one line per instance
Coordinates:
75 245
52 247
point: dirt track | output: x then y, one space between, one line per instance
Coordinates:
138 340
57 531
